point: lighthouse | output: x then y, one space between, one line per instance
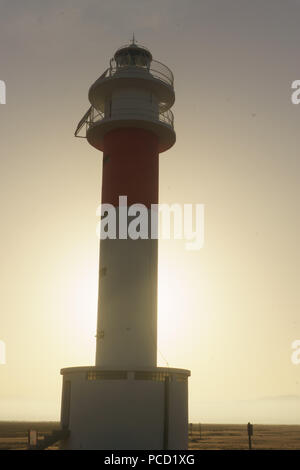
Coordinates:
125 401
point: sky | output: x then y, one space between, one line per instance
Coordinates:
228 312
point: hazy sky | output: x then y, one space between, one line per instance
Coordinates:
228 312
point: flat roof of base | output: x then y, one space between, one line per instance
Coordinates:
70 370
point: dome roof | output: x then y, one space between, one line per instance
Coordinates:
133 54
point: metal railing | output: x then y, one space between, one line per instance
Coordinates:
156 69
93 116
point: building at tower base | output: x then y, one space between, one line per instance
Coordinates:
123 409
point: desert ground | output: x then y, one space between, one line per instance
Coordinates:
235 437
13 436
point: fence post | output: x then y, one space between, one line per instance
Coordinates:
166 412
250 434
32 438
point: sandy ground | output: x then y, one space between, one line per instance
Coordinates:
213 436
230 436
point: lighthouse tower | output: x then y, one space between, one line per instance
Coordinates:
125 401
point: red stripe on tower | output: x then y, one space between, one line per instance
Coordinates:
130 167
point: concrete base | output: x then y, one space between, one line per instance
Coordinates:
125 409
